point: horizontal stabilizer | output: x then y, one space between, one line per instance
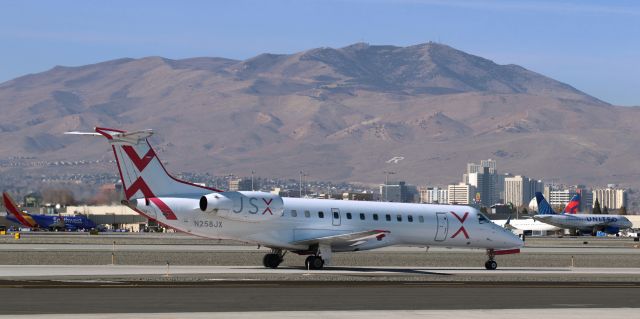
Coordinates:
117 136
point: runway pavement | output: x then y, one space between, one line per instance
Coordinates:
90 271
72 273
566 313
127 297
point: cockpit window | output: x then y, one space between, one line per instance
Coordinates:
483 219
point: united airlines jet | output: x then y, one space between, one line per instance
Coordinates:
314 227
585 223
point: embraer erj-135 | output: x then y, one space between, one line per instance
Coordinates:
45 221
314 227
585 223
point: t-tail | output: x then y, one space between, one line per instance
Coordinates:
573 206
543 206
141 171
23 218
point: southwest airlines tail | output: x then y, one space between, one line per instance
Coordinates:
141 172
573 206
22 218
543 206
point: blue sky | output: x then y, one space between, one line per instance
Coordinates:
591 45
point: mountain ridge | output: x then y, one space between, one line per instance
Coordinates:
337 113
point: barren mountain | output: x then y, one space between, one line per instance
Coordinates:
339 114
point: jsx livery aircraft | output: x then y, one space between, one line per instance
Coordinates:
44 221
585 223
314 227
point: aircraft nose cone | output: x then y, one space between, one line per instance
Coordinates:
513 241
517 241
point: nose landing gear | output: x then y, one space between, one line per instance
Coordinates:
491 264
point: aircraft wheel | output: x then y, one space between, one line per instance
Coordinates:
271 261
491 265
314 262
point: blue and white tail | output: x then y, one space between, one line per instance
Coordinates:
141 172
543 206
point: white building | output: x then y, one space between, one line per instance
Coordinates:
461 194
519 189
434 195
610 197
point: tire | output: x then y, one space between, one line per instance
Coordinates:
271 261
307 262
313 262
317 263
491 265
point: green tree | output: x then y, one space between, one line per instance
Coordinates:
605 210
596 208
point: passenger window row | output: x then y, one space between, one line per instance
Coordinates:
362 216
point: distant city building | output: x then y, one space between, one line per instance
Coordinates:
357 196
519 190
610 197
560 196
434 195
461 194
484 177
239 184
32 200
398 192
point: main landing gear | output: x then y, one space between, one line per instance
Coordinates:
274 258
314 262
491 264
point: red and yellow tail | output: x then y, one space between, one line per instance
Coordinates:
24 218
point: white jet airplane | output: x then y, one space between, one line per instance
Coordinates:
582 223
314 227
525 224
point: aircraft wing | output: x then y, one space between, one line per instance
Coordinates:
351 238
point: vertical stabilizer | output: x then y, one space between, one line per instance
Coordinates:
23 218
142 173
573 206
543 206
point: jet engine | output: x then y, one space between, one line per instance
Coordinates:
611 230
243 206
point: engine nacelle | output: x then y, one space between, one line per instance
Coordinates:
243 206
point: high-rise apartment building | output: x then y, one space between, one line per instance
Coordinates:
461 194
519 189
485 179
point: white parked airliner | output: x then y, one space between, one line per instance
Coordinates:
313 227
